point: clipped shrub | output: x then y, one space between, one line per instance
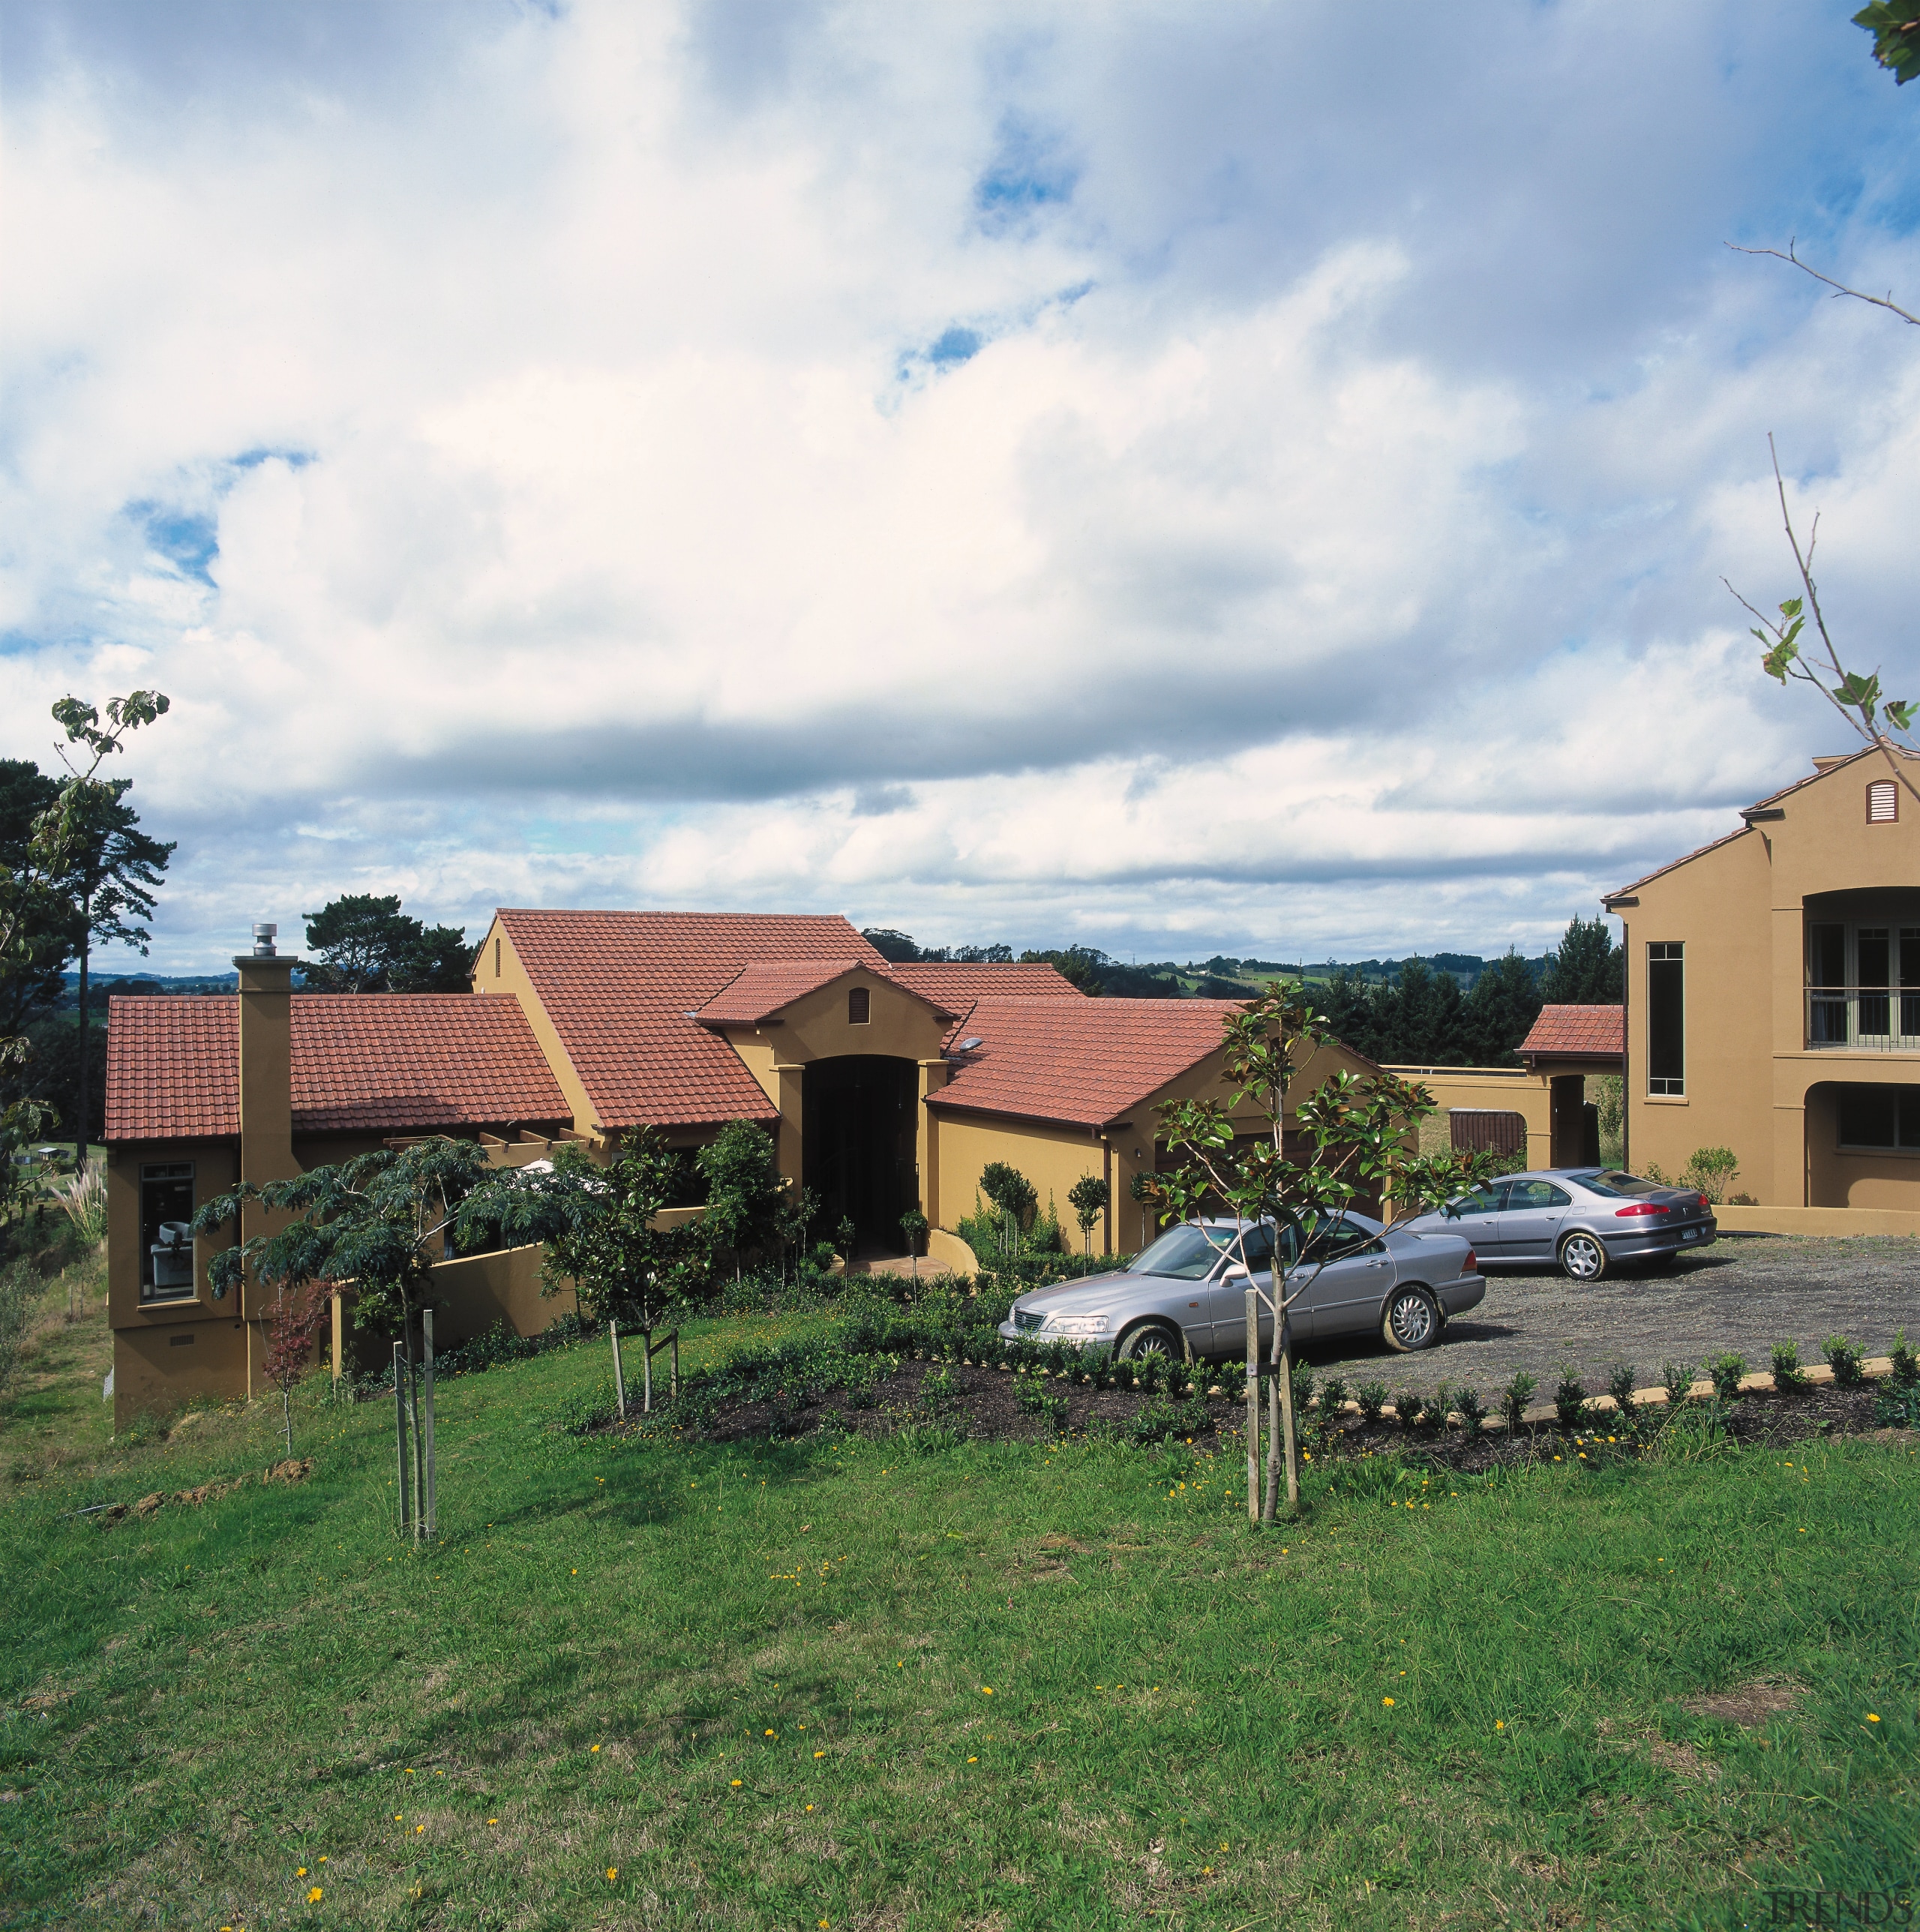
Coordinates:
1302 1388
1897 1408
1333 1402
1621 1379
1712 1170
1676 1377
1515 1397
1472 1410
1372 1397
1724 1371
1788 1375
1161 1421
1569 1398
1905 1363
1410 1406
1847 1362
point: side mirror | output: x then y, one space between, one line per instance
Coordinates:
1237 1271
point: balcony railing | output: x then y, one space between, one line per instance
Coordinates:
1868 1019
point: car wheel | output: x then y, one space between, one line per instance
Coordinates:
1151 1338
1583 1257
1413 1320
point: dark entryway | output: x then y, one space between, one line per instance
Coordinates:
859 1114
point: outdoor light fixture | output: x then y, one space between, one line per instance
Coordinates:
973 1040
263 939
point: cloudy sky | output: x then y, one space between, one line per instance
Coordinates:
1255 477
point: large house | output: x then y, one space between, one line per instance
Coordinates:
1773 1000
885 1087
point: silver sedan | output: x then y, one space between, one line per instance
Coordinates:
1188 1291
1587 1219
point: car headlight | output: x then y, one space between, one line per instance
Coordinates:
1076 1324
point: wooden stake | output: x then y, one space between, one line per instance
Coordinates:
619 1377
1252 1404
429 1516
646 1373
400 1433
1287 1414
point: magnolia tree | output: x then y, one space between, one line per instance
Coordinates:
1354 1139
1088 1198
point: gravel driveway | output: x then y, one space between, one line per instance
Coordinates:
1744 1293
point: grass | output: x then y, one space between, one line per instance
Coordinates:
833 1683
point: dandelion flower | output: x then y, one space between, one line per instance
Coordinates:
595 1747
419 1828
1388 1702
986 1690
314 1896
492 1821
820 1753
613 1872
1499 1723
1872 1717
972 1760
736 1784
301 1872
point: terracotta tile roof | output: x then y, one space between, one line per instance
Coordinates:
767 988
362 1063
618 987
1084 1061
1727 838
1578 1029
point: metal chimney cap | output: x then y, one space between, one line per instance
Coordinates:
265 932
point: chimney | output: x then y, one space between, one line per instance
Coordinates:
266 1061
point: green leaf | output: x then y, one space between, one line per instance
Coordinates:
1791 608
1899 713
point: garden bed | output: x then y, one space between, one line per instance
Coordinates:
783 1394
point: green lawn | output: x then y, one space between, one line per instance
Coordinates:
831 1683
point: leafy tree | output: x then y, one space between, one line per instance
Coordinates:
366 944
1078 965
113 872
1347 1013
890 945
1088 1198
1588 969
913 1225
745 1191
37 983
1501 1010
1895 27
1355 1139
35 896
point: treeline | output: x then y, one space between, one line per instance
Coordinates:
1417 1012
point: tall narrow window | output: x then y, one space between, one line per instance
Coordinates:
167 1249
1882 802
497 958
1874 953
856 1007
1667 1017
1826 984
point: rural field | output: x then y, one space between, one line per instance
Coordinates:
849 1681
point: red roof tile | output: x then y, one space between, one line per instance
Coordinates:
620 986
1578 1029
956 985
362 1063
1083 1061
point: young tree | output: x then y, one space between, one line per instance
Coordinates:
745 1191
1088 1198
366 944
913 1225
600 1228
1140 1189
299 1315
380 1220
1013 1194
1356 1138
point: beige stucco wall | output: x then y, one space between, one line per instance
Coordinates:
1752 1083
1507 1090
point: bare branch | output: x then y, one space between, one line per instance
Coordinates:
1885 301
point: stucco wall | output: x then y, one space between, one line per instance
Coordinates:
1504 1090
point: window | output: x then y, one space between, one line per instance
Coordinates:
856 1007
1538 1194
1882 802
1863 985
167 1249
1667 1017
1880 1120
497 958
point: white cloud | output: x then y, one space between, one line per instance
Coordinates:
527 458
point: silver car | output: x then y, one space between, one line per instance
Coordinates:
1587 1219
1188 1291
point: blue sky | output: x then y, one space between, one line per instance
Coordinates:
1253 478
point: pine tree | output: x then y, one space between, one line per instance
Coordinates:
1588 969
1501 1010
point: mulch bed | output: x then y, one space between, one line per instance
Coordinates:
985 1408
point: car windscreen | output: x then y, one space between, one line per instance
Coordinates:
1187 1252
1613 1184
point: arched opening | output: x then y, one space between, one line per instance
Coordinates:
859 1114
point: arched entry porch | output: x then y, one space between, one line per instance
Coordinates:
859 1115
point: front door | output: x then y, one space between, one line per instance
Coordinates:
1477 1217
1530 1222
